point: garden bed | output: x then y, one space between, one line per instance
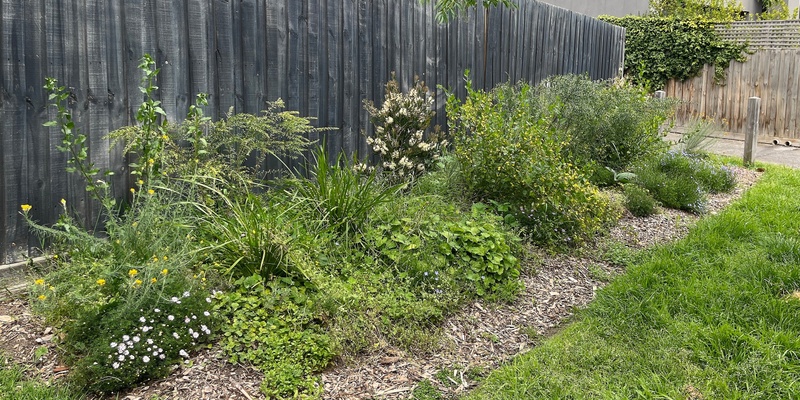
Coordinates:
475 340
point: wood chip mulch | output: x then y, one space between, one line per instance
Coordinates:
479 338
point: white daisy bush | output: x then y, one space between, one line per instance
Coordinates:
152 343
401 139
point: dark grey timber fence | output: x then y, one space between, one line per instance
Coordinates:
322 57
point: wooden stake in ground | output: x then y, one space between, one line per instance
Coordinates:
751 134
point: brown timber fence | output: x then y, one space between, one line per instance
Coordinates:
772 73
322 57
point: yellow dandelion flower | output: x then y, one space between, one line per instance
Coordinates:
133 191
164 272
137 282
39 282
55 256
140 182
155 258
63 203
25 208
101 282
151 161
165 258
42 297
132 273
153 280
165 137
151 191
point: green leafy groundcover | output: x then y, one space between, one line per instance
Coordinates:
713 316
658 49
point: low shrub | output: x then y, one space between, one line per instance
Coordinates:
680 181
139 336
715 179
510 157
671 189
638 201
135 288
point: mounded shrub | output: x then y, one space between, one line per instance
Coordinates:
602 124
639 201
510 156
680 181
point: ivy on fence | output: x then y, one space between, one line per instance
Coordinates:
658 49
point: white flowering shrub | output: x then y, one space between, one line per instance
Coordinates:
401 139
119 348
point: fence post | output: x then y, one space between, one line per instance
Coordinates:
751 134
664 128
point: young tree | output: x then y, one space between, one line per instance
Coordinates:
446 9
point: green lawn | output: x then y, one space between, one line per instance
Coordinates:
13 386
708 317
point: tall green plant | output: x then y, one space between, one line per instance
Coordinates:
147 140
73 143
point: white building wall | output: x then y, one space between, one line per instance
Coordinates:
793 4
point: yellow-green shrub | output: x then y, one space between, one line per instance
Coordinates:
509 157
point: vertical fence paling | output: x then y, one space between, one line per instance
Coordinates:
771 73
323 57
